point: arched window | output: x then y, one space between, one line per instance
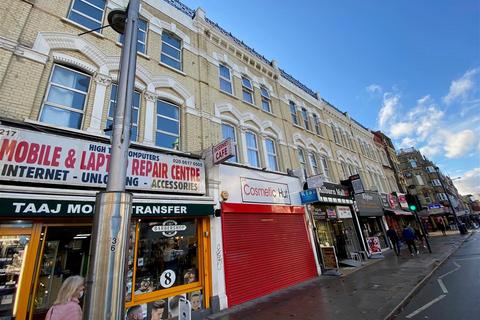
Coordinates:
271 152
314 163
229 131
302 161
168 125
65 100
252 149
171 50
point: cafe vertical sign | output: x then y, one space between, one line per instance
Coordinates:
33 157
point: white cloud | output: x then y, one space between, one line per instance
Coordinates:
459 144
430 150
407 142
388 110
374 89
401 129
470 182
460 87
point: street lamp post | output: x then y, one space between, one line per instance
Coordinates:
105 294
455 218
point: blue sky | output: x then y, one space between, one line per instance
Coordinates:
408 68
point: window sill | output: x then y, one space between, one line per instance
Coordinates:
141 54
250 104
172 68
78 25
229 94
269 112
298 126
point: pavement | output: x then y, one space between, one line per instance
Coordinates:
453 291
374 291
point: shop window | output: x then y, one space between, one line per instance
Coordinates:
167 255
171 50
252 149
88 13
66 98
247 90
228 131
271 151
142 33
266 104
293 112
225 79
135 112
306 120
168 125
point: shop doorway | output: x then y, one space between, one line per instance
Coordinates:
64 253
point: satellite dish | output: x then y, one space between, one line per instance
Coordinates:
117 19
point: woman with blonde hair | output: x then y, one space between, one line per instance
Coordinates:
67 306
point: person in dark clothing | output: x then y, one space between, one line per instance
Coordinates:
392 235
409 237
441 226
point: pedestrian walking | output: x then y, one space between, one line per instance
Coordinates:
393 236
409 237
441 225
66 306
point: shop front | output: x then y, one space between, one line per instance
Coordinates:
372 221
395 215
266 243
334 223
47 203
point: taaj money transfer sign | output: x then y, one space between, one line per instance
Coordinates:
28 156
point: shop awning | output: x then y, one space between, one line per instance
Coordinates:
398 212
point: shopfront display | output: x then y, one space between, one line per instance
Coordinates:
395 214
264 234
371 216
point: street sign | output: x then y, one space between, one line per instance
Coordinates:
222 151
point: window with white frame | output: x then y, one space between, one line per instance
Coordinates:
88 13
344 139
271 150
135 113
302 161
293 112
168 125
252 149
171 50
352 170
335 134
413 163
229 131
430 169
325 167
225 79
306 120
66 96
316 124
442 196
266 103
350 142
314 163
436 183
142 33
344 169
247 90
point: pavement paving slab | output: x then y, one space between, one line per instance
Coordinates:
371 292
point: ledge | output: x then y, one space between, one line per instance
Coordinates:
75 24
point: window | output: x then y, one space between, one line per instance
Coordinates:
431 169
335 135
293 112
436 183
306 122
159 251
271 150
324 162
301 160
88 13
413 163
225 79
168 125
350 142
313 163
247 90
252 149
66 97
171 50
265 99
442 197
228 131
344 169
419 180
141 36
135 111
316 124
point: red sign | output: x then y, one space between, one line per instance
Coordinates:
222 151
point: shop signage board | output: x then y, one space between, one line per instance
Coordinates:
369 204
319 214
35 157
316 181
262 191
309 196
402 200
357 184
374 245
343 212
12 207
331 214
384 198
329 258
222 151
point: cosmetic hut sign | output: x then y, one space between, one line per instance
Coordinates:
261 191
28 156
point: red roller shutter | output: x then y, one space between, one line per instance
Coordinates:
266 248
